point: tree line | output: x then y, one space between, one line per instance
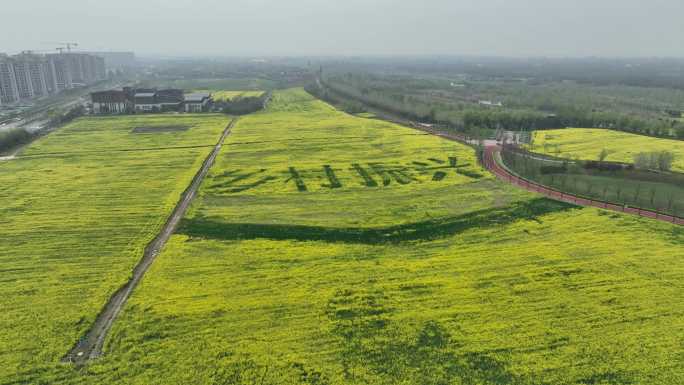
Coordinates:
464 118
243 105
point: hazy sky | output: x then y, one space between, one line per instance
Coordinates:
350 27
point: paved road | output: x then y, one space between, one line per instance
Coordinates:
90 346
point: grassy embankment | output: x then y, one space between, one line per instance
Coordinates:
392 266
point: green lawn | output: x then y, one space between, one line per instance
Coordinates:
587 144
76 210
416 279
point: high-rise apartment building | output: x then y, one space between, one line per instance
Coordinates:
59 72
28 76
8 83
31 73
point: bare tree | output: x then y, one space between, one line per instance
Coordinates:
637 192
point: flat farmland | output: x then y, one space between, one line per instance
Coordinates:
225 96
77 209
330 249
587 144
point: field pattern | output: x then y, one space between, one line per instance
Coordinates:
76 210
462 280
587 144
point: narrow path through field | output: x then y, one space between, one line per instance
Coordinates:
90 345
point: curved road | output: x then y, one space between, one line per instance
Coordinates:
492 150
492 164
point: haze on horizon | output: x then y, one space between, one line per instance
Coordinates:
518 28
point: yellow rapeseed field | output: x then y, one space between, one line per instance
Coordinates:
331 249
76 210
587 144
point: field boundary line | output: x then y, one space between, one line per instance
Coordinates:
107 150
91 344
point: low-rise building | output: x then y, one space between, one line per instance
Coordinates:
145 102
197 102
489 103
142 100
170 99
151 100
111 102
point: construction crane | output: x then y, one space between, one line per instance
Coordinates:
69 45
64 46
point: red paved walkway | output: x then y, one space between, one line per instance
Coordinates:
493 166
491 148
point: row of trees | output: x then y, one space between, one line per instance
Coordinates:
10 139
243 105
612 182
660 160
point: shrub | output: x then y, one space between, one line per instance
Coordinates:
12 138
243 106
594 165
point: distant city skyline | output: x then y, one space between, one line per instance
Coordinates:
512 28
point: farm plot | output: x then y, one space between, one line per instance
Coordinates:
433 280
252 94
76 210
587 144
226 96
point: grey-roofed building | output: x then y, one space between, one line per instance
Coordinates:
197 102
158 101
145 102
